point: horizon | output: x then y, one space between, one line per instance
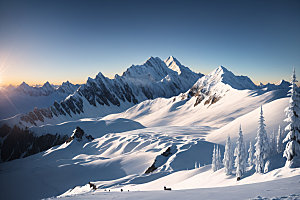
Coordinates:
57 41
40 84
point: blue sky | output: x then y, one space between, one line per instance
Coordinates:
62 40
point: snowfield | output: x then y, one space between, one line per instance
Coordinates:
119 160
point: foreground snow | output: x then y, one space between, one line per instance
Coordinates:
276 188
119 160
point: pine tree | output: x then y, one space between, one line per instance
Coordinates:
251 155
213 164
272 142
292 149
219 159
261 145
228 157
279 146
240 161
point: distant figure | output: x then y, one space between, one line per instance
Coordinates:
128 190
121 190
109 190
165 188
92 185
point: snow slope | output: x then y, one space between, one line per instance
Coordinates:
274 115
175 111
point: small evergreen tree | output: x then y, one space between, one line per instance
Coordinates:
240 161
219 159
279 139
213 164
273 142
228 157
261 145
292 149
251 155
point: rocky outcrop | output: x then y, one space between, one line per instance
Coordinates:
79 135
162 159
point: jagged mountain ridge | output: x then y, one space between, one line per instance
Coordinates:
139 82
24 98
45 90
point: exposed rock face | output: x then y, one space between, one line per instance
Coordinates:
18 143
79 135
162 159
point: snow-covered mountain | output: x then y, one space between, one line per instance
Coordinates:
24 98
214 100
217 83
44 90
101 96
270 86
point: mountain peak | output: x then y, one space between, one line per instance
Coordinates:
153 60
23 84
221 70
174 64
47 84
171 59
221 79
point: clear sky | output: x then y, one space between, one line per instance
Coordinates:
60 40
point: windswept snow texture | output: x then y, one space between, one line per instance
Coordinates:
124 156
24 98
102 96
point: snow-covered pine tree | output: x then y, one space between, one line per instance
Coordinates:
251 155
240 153
213 163
292 148
219 159
273 142
228 157
279 145
261 145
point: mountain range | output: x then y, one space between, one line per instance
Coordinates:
154 125
101 96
